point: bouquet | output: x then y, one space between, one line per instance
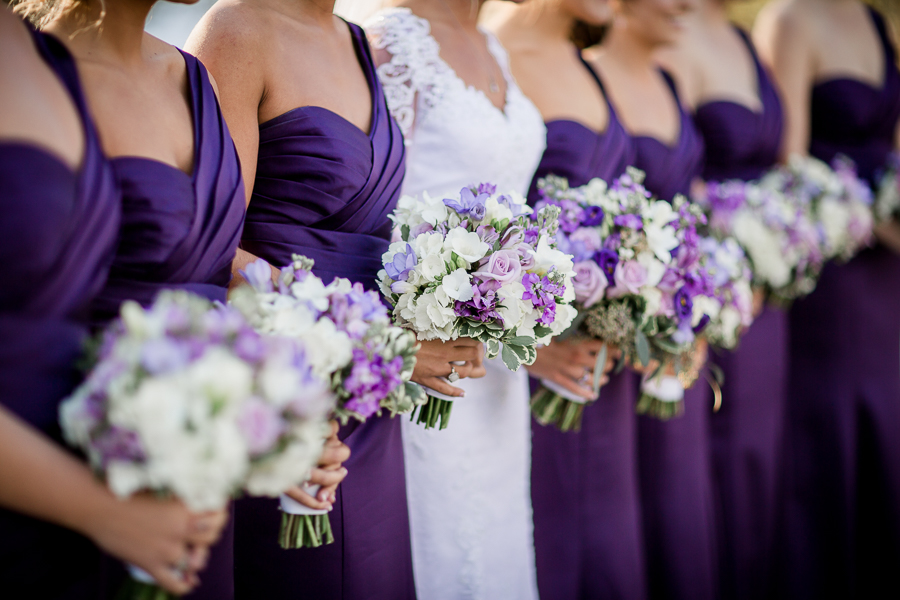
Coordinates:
636 285
186 400
839 202
887 200
777 233
367 360
732 310
478 265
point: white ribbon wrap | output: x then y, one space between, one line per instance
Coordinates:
665 388
558 389
292 507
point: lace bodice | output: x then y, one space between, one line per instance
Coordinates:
454 134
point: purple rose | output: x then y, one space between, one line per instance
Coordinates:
260 425
589 283
503 266
630 277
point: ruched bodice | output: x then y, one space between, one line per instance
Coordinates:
852 117
57 236
178 230
325 189
742 143
671 169
580 154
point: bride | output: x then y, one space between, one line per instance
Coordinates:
465 122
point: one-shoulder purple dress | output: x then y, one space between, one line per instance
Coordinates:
743 143
584 485
58 233
674 461
324 189
181 231
842 530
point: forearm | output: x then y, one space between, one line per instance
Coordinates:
889 234
42 480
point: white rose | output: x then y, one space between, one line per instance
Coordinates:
466 244
764 249
835 218
655 269
704 305
730 320
430 315
565 314
457 285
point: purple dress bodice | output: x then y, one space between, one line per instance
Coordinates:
324 188
178 230
670 169
854 118
584 488
742 143
57 236
580 154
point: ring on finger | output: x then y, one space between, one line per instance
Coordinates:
453 377
586 377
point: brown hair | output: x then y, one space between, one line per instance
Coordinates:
585 36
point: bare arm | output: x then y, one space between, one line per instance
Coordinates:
785 45
41 480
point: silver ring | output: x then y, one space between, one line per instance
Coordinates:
453 377
586 377
182 566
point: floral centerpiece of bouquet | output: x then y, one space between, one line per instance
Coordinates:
367 360
635 285
187 400
887 199
478 265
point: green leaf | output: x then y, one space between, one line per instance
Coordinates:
542 330
521 340
404 232
510 359
492 347
643 347
598 368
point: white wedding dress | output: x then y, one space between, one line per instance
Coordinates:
468 486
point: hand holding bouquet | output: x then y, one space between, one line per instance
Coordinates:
887 200
188 401
478 265
367 360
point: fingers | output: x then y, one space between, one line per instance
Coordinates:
334 453
441 386
326 478
205 528
477 371
575 387
335 427
297 493
170 579
197 558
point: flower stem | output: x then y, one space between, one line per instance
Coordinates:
659 409
138 590
549 408
434 410
304 531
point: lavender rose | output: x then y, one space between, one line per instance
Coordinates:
503 266
589 283
630 277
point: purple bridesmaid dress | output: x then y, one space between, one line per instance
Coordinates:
842 529
674 462
584 485
742 143
181 231
324 189
58 233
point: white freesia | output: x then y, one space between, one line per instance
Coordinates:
466 244
660 234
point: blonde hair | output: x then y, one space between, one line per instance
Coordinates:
41 12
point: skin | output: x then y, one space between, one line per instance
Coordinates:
536 36
40 478
271 56
807 41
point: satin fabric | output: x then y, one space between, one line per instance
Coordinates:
181 231
324 189
673 456
842 524
584 485
57 237
743 143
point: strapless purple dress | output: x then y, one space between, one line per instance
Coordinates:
325 189
674 461
842 530
58 233
742 143
181 231
584 485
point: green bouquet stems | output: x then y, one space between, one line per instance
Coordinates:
433 411
549 408
304 531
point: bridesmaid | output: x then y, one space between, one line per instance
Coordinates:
584 486
60 219
738 111
174 161
327 160
674 463
836 64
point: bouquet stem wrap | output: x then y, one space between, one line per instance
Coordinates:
554 404
662 397
142 586
302 526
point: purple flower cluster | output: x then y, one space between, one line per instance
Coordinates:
371 380
542 292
